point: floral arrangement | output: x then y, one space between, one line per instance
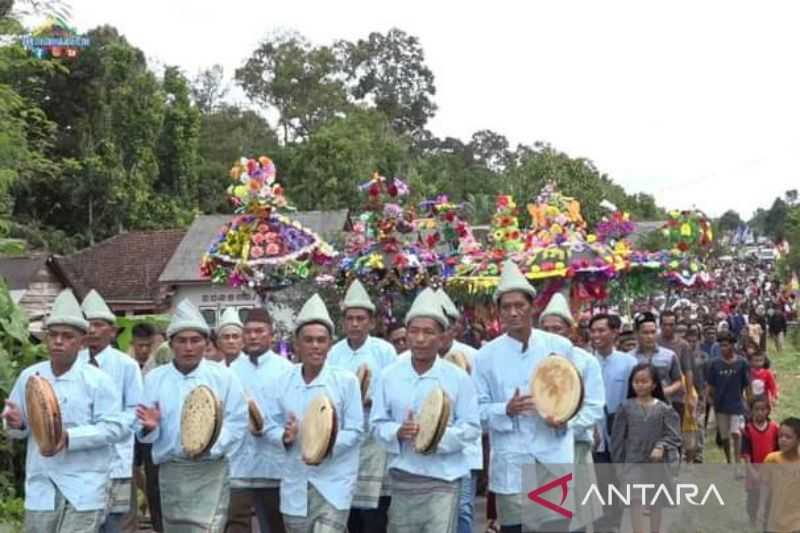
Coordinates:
505 233
614 228
688 231
261 248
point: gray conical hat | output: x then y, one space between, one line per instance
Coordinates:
427 305
67 312
448 304
314 310
230 317
357 298
512 280
187 317
559 307
95 308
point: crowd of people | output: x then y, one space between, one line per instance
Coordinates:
655 385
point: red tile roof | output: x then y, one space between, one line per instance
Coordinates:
124 267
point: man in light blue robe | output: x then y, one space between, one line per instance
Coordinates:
65 489
194 490
425 487
359 348
127 378
256 465
469 483
519 436
316 498
557 319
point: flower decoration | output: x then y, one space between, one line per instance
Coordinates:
260 248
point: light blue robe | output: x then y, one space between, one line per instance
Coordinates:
166 387
401 389
502 367
90 414
257 459
124 372
335 477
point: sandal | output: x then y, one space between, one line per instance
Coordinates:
493 527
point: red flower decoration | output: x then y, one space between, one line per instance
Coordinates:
450 216
392 190
374 190
682 246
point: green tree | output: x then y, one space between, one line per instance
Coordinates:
389 71
227 134
775 220
303 83
324 172
177 146
730 221
209 89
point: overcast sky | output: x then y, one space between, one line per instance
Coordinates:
693 102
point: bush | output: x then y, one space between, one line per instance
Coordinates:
16 353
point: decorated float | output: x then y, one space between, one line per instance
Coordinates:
261 248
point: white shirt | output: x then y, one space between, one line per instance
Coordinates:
90 414
167 387
127 377
335 477
257 458
402 389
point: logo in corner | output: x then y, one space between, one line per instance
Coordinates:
536 495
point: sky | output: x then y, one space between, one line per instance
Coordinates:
696 103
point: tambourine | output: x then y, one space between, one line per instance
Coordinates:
557 388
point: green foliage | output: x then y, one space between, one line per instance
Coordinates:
16 353
343 152
730 221
302 82
390 71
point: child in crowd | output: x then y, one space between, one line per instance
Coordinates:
728 384
646 429
762 379
759 439
784 482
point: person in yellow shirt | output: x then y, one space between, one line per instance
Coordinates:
784 482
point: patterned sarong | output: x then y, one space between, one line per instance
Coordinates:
194 496
119 496
322 517
422 504
371 470
64 519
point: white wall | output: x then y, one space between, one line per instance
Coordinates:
212 299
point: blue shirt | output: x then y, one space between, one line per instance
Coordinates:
90 414
501 367
402 389
124 372
335 477
729 381
594 397
168 388
616 368
257 458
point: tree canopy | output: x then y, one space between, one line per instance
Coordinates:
104 143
